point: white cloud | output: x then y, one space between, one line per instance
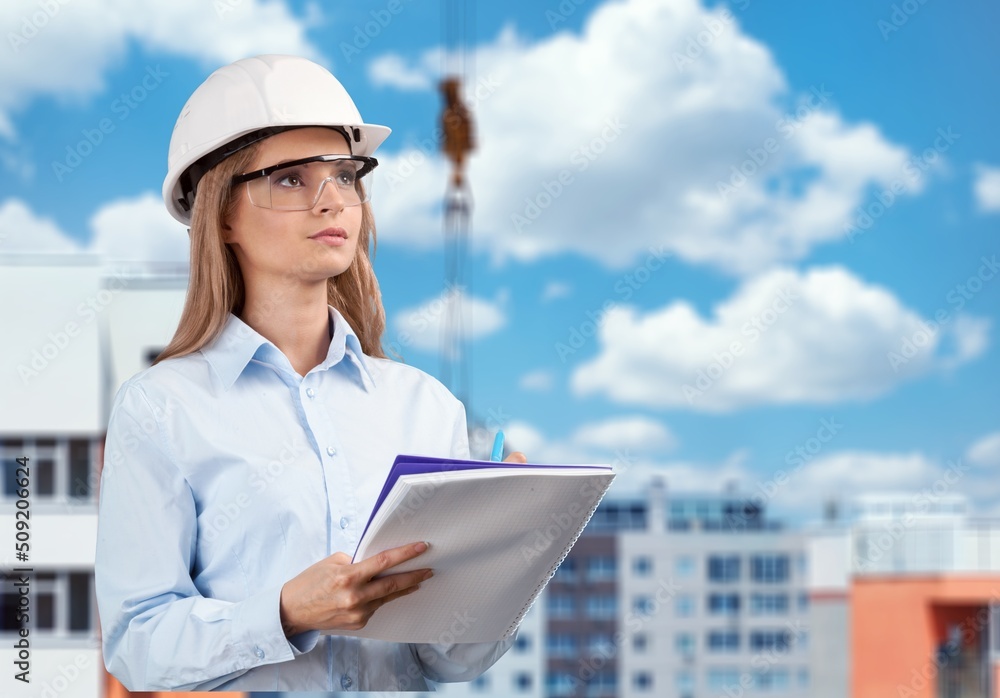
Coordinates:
634 461
423 326
392 71
845 475
626 440
971 337
66 51
587 137
23 231
987 188
986 451
556 289
636 432
540 380
139 230
136 230
685 476
799 489
784 337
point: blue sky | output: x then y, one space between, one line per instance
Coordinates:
594 314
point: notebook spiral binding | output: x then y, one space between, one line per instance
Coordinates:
538 589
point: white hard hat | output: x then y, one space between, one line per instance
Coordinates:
248 100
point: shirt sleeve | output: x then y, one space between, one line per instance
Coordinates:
447 663
158 631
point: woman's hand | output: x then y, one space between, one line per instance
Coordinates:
516 457
336 594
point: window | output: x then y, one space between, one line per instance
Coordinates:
642 681
603 683
523 643
481 683
803 601
724 604
643 605
566 572
724 568
802 641
723 641
774 640
601 606
80 481
562 645
768 604
770 569
522 682
684 566
60 603
622 516
600 644
721 678
640 642
559 684
684 681
684 644
600 567
642 566
773 679
684 606
803 677
60 469
561 606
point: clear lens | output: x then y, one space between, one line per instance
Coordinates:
299 187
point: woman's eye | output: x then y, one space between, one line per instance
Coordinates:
345 178
289 180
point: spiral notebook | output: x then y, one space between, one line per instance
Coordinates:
497 534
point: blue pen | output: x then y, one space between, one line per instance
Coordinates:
497 447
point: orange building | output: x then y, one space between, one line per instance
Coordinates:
925 609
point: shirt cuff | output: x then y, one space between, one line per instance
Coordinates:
258 634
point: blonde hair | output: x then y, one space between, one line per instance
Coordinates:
215 285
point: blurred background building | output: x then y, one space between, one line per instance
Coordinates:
668 594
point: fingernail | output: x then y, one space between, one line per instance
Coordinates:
422 546
427 575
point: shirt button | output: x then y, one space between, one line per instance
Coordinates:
344 522
331 451
310 392
346 682
259 652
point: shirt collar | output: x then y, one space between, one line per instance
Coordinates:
238 344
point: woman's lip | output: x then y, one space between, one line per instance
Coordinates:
334 237
330 232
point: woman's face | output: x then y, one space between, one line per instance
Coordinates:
310 245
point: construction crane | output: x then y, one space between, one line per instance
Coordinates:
457 143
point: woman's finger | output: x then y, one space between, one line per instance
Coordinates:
387 559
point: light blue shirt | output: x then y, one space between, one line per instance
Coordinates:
225 475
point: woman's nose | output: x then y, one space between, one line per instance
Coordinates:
325 200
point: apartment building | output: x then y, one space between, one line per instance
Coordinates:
75 331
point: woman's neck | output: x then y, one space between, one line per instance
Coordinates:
295 319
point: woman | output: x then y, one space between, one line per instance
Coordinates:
241 468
